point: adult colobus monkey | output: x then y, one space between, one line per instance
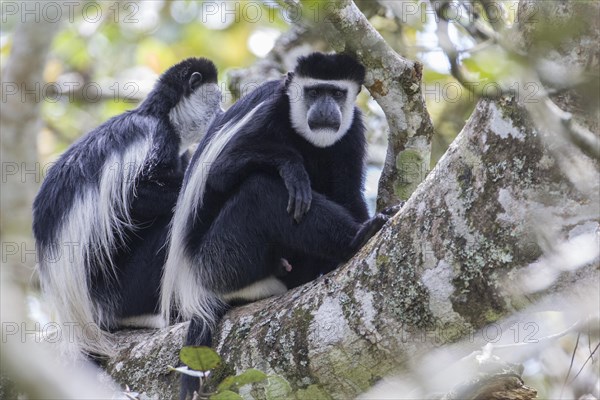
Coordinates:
294 146
102 212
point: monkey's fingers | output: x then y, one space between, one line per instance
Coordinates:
392 210
303 202
291 199
307 201
298 209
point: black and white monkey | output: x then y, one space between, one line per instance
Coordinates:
277 181
102 213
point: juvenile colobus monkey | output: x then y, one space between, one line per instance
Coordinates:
101 214
278 176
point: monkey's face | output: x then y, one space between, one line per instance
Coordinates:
322 110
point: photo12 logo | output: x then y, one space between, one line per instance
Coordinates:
53 11
50 332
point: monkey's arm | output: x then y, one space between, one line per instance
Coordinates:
234 166
156 190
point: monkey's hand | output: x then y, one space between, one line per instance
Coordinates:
297 182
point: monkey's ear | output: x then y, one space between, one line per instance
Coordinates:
288 79
195 80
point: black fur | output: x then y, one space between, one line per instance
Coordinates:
331 66
242 230
270 146
132 285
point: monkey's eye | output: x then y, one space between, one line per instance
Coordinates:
195 80
338 94
313 93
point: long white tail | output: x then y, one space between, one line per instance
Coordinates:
94 226
182 288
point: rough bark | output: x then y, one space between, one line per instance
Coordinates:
448 260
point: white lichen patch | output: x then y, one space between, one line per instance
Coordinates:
421 209
438 282
349 15
459 221
371 261
246 320
414 121
503 127
328 326
514 210
419 143
486 146
392 104
367 310
226 329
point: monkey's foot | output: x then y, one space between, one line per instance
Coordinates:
367 231
393 210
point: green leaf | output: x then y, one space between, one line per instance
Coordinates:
200 358
226 384
277 388
251 375
226 395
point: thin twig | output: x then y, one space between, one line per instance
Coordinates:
588 359
570 365
452 54
584 139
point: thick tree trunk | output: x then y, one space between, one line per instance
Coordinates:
449 260
22 81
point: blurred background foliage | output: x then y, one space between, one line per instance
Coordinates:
109 53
